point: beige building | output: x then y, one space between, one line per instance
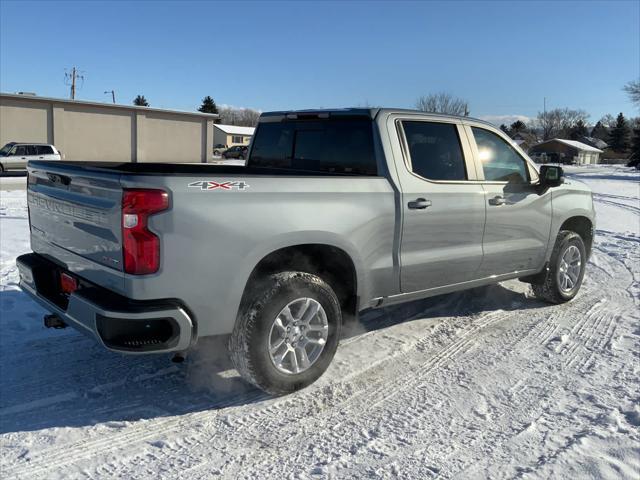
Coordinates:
231 135
107 132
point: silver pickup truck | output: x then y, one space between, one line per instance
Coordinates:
336 211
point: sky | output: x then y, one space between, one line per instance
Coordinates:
504 57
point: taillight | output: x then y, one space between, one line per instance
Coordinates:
140 246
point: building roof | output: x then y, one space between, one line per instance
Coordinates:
235 130
66 101
594 142
574 144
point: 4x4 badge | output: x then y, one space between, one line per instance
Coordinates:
213 185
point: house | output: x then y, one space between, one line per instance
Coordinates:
559 150
231 135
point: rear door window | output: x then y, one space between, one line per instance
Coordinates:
44 150
435 151
331 146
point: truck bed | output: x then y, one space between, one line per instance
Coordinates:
127 168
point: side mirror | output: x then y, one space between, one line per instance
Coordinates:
551 176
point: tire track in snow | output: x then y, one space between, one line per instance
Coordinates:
181 447
41 463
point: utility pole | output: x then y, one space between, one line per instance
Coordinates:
113 95
73 77
73 83
546 120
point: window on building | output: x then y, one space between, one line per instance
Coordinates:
500 161
237 139
435 150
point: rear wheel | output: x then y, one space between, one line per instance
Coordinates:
564 277
287 336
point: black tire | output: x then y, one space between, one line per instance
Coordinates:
216 153
1 168
548 288
249 343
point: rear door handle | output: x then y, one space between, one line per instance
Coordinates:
498 200
419 204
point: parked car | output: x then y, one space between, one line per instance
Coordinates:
237 151
218 149
15 155
335 212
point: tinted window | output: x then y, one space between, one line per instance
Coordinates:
340 146
435 150
21 150
44 150
500 161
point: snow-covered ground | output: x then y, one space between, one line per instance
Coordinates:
489 383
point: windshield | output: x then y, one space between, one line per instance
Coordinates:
4 151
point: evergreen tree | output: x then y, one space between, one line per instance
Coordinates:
140 101
505 129
600 131
619 135
208 105
578 130
635 145
518 126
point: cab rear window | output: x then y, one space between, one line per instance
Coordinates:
331 146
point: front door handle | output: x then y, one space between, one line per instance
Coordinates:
419 204
498 200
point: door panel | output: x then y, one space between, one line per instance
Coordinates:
442 243
518 218
443 216
517 231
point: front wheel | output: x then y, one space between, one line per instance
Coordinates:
564 277
287 336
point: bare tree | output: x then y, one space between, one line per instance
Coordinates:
633 90
443 103
608 120
245 117
559 121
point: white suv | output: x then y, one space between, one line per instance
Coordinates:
15 155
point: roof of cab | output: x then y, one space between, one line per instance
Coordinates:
371 113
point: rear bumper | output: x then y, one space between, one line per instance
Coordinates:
120 324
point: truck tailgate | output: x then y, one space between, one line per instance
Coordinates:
75 213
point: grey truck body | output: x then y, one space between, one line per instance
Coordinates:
391 248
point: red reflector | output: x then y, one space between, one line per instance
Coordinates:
68 284
140 246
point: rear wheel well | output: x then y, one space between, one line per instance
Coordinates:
330 263
583 227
